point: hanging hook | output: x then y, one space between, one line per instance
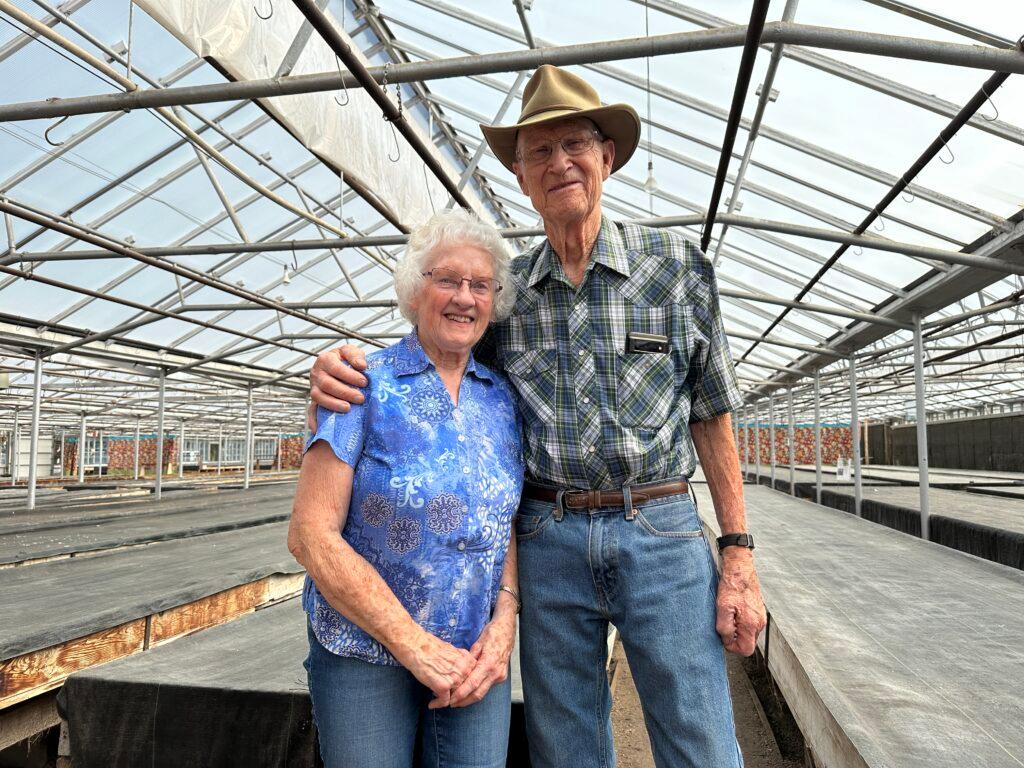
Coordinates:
994 107
344 88
398 148
46 135
256 10
952 157
880 224
858 251
908 199
295 258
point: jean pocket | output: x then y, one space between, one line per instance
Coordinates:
675 520
531 526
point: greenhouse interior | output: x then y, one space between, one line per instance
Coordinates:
199 200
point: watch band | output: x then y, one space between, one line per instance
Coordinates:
735 540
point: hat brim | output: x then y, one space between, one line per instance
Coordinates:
618 122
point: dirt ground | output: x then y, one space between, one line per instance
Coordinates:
634 750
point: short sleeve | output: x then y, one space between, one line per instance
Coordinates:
715 390
344 432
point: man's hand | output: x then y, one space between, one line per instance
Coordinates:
491 651
334 380
741 612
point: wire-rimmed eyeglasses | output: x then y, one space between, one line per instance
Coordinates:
450 281
575 143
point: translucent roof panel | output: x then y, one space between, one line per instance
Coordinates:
840 128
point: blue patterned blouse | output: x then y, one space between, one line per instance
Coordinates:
434 492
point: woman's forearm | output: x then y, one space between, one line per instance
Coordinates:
505 603
357 591
350 584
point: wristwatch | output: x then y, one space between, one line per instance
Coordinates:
735 540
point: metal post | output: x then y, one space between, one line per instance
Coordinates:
855 434
866 448
81 452
248 439
157 482
817 436
747 443
922 426
181 450
278 451
220 447
138 430
771 436
757 443
15 448
63 448
792 444
34 433
99 457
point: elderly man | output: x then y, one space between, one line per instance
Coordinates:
619 358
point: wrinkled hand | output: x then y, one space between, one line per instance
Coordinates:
335 378
491 651
741 612
438 665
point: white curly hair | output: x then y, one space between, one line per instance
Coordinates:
456 226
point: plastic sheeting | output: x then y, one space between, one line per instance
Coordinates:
354 137
231 695
51 603
199 516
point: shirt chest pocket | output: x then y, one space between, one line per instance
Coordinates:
646 382
534 374
645 389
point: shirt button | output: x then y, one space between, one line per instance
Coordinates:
591 449
579 352
465 470
452 622
586 400
461 546
462 438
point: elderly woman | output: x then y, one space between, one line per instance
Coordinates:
403 521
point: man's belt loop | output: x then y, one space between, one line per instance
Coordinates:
627 503
559 509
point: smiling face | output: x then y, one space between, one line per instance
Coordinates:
564 189
451 322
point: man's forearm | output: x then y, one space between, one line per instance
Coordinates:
716 450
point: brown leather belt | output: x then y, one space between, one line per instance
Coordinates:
574 499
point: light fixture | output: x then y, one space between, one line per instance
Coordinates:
287 275
651 185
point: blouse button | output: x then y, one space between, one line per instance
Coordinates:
462 438
465 470
452 622
461 546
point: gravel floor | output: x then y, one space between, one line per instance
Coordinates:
631 743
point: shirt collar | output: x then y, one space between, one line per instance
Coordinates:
410 358
608 251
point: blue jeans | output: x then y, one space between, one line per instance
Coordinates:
653 578
370 716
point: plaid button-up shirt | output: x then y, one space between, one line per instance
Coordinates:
596 416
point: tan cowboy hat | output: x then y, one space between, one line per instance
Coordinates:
555 94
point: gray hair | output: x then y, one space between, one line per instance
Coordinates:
456 226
